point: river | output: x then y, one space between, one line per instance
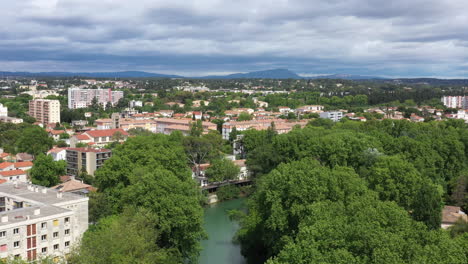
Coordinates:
219 248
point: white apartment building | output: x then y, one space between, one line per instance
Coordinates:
333 115
81 98
37 221
460 102
45 111
3 110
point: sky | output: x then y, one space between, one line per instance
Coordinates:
397 38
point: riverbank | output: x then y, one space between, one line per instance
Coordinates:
219 247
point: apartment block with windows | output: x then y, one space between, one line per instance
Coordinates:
37 221
81 98
85 159
45 111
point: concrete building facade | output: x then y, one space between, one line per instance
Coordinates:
81 98
37 221
85 159
45 111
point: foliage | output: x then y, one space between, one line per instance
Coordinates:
46 171
227 192
244 116
152 172
126 238
34 140
222 170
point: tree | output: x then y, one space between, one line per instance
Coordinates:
118 136
227 192
34 140
395 179
244 116
222 170
427 206
152 172
126 238
196 128
46 171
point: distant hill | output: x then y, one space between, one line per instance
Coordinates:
123 74
268 74
348 77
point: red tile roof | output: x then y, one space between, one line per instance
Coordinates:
4 165
2 181
57 132
82 137
23 164
12 173
4 155
105 132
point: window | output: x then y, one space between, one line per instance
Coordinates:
67 220
56 246
44 225
67 243
16 244
2 234
44 237
67 231
56 234
44 250
56 222
16 231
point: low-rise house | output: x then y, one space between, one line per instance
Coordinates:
99 137
166 113
14 175
58 153
451 214
197 115
24 157
74 186
24 165
284 110
416 118
7 166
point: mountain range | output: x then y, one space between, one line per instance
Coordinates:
267 74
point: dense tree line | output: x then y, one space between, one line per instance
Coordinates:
146 192
355 192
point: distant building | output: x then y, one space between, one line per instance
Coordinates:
81 98
134 103
45 111
12 120
58 153
459 102
3 110
335 116
85 159
38 221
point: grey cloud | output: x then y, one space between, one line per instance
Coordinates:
304 35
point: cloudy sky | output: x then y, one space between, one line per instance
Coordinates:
406 38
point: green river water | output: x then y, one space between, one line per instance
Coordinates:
219 249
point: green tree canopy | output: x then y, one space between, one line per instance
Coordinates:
46 171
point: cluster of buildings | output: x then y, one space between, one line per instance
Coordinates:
82 98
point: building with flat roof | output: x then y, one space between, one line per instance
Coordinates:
37 221
85 159
45 111
81 98
335 116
